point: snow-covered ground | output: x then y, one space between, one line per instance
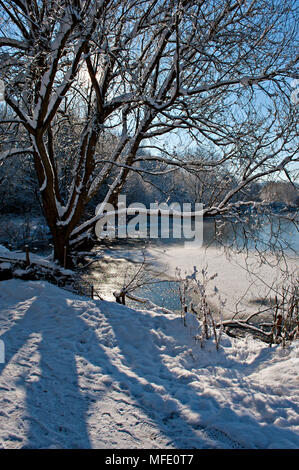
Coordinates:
86 373
8 256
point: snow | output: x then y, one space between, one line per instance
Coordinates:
44 185
82 373
7 255
4 251
10 153
5 265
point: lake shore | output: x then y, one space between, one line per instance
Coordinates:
243 281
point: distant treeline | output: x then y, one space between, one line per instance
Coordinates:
19 192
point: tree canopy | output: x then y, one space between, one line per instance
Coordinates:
81 74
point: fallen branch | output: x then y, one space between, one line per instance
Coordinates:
243 324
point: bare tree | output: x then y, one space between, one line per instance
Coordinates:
216 72
280 191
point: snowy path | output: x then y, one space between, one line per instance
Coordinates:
85 373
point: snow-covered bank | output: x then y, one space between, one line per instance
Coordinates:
86 373
11 256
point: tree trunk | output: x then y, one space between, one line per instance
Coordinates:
61 251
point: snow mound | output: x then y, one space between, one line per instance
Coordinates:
82 373
3 250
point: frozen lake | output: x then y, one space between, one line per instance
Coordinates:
230 250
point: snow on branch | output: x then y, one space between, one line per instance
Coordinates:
10 153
